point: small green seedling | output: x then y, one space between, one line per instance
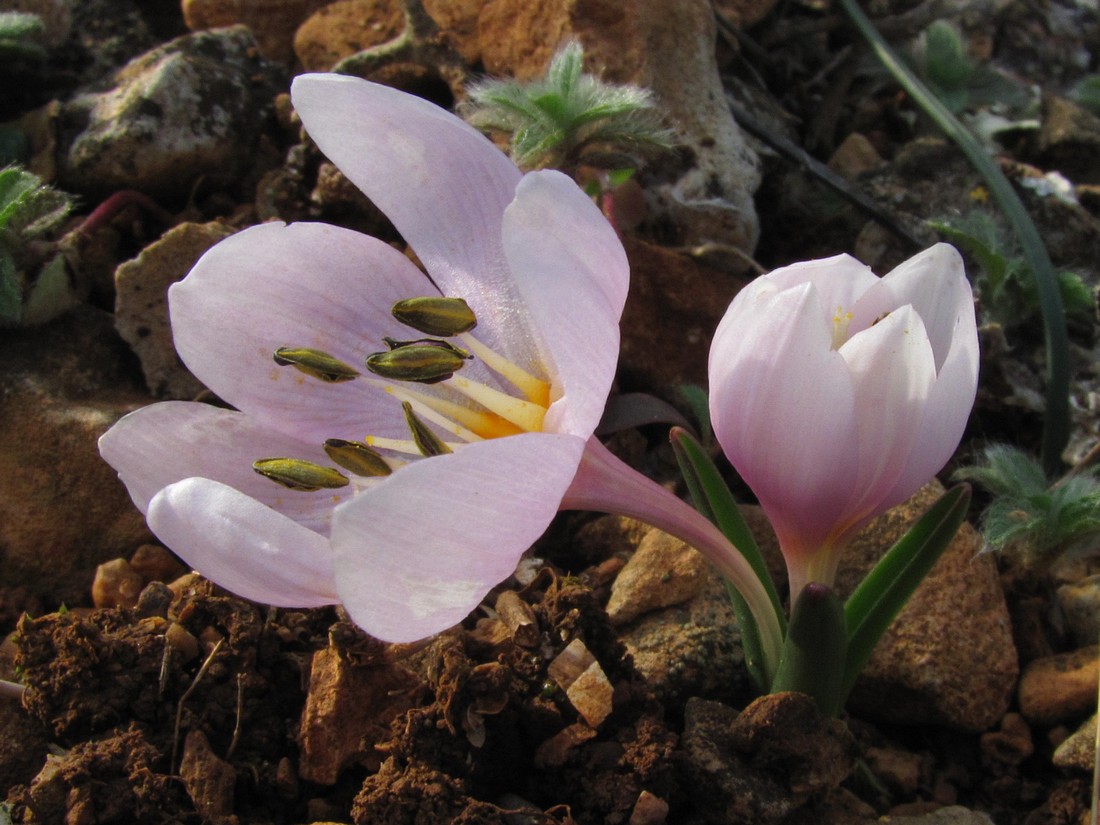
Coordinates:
1031 520
1008 292
34 280
568 118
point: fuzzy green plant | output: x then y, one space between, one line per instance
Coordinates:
20 41
1031 520
1008 293
1086 93
568 118
34 282
958 80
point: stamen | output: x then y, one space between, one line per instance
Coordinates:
841 320
394 343
436 315
524 414
426 441
356 457
296 474
316 363
464 422
425 363
535 389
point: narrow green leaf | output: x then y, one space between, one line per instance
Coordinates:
713 499
882 594
723 509
815 649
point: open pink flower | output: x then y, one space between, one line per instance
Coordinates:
837 394
411 553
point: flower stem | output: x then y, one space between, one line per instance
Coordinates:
1056 423
605 484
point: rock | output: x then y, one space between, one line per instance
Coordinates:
156 564
1080 604
1069 139
209 780
673 298
141 304
576 671
669 49
191 108
116 584
763 764
899 770
954 815
341 29
348 711
692 649
1078 751
948 659
662 572
345 27
1010 745
855 156
62 509
1059 688
272 22
648 810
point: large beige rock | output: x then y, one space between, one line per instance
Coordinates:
141 304
949 658
63 510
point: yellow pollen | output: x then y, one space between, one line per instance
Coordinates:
526 415
534 389
841 320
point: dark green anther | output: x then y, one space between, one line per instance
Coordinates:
426 362
425 440
356 457
436 315
397 343
316 363
297 474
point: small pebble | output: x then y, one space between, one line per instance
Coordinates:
116 584
1060 687
649 810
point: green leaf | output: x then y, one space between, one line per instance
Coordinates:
815 649
1086 92
945 57
696 398
713 499
882 594
1076 294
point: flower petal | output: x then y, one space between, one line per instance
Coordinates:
572 272
934 283
441 182
783 408
418 552
242 545
892 372
839 280
946 412
167 442
297 285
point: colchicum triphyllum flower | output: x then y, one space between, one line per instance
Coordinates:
837 394
399 439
